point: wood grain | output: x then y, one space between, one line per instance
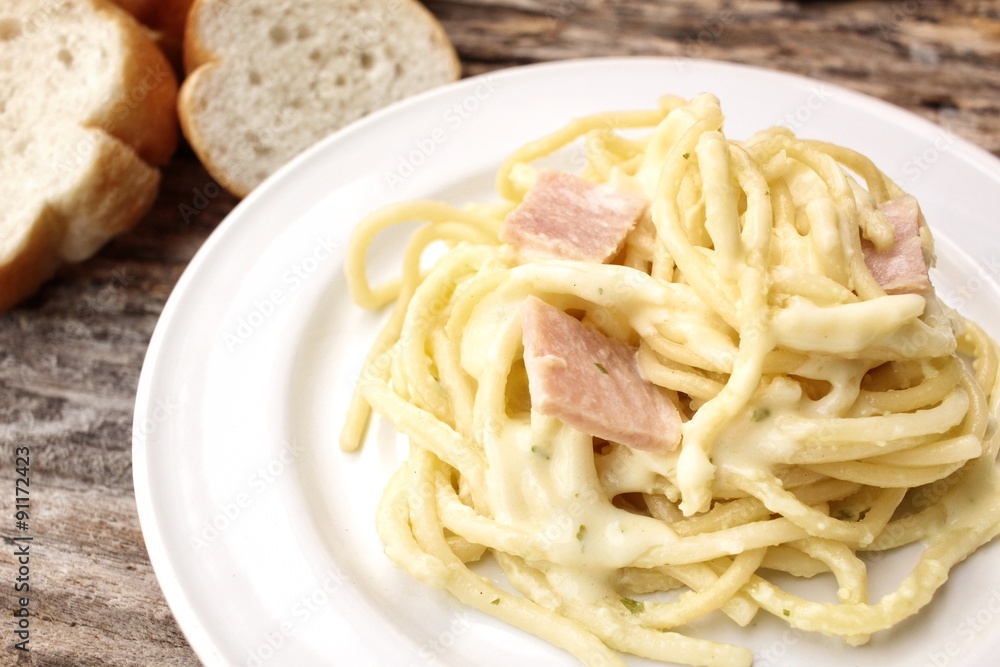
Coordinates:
70 357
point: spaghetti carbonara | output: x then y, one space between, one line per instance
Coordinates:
648 386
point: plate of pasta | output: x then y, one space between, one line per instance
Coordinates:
631 361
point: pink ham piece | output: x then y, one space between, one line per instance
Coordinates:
566 217
592 383
901 269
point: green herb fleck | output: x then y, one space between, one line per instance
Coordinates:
760 414
495 602
601 368
686 155
786 612
844 514
580 532
535 449
634 606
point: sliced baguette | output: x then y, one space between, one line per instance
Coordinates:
86 114
165 20
268 78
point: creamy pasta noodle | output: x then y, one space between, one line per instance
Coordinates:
658 386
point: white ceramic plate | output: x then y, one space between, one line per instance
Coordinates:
262 533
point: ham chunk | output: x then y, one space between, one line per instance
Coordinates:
901 269
566 217
592 383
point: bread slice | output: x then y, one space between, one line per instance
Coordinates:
268 78
86 112
165 20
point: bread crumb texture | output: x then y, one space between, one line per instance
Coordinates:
87 112
268 78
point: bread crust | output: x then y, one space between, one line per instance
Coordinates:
187 101
165 20
203 64
104 188
144 115
33 260
115 190
195 52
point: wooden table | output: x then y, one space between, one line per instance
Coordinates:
70 357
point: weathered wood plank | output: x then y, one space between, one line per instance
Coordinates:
939 59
